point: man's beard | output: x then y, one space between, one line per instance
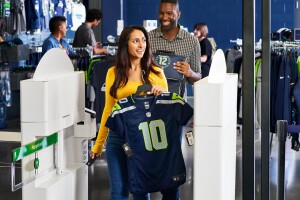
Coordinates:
168 27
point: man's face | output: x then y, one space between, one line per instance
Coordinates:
63 29
168 16
95 23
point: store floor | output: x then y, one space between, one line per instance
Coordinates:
99 183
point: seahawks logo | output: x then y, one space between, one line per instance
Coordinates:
163 61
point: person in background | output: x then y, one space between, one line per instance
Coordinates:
201 32
172 38
84 35
57 26
134 67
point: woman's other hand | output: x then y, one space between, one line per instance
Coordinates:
92 154
157 90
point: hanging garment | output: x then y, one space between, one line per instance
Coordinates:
231 56
59 7
97 78
17 19
151 127
46 13
33 15
283 97
258 94
68 13
275 66
295 136
5 87
78 15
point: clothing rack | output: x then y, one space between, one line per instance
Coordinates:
237 41
81 52
285 52
284 45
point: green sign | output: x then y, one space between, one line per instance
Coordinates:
33 147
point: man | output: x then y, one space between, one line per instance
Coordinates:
57 26
170 37
84 35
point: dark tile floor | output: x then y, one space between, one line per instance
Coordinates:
99 184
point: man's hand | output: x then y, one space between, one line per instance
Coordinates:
98 44
183 67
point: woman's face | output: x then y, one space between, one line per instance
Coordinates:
197 33
136 44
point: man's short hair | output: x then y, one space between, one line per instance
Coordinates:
175 2
55 22
169 1
93 14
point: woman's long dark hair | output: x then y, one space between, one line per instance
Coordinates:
123 63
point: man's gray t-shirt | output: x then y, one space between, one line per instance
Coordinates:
84 36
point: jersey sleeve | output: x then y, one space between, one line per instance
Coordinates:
115 121
182 110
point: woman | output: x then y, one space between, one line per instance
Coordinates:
201 32
134 67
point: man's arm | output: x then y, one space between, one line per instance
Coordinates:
204 58
191 71
193 77
195 67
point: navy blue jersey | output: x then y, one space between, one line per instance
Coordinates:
151 128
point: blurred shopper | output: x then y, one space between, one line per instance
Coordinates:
84 35
201 32
57 26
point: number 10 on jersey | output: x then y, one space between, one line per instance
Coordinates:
154 134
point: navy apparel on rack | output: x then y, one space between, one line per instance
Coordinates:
97 79
275 63
284 90
59 7
151 127
34 14
285 81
